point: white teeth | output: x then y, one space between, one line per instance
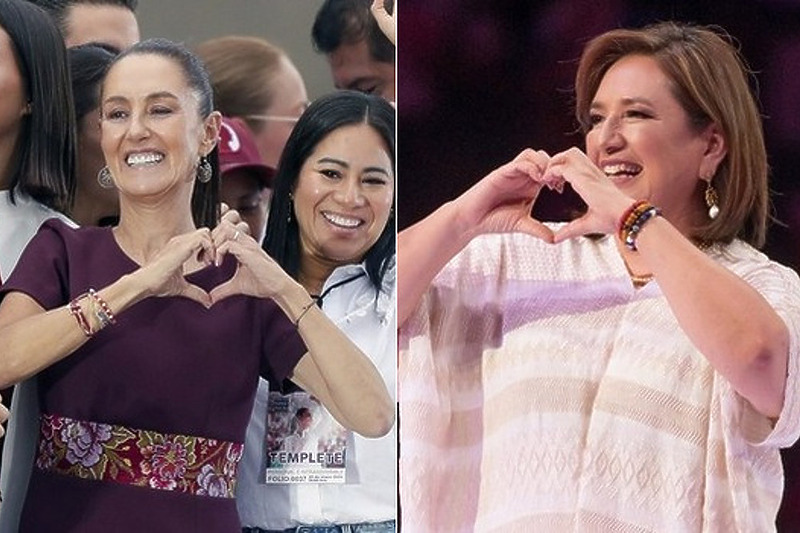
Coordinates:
621 168
342 221
144 158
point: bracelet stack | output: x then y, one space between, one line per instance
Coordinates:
633 220
100 310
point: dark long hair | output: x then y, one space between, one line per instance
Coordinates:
205 196
45 153
338 109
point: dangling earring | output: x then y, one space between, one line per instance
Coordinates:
712 200
105 179
291 208
204 170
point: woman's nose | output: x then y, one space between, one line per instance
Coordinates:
349 192
137 127
610 138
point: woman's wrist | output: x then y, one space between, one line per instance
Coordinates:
465 227
294 300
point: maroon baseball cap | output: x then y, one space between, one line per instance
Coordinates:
237 149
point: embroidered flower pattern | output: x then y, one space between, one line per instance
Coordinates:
165 464
84 442
106 452
211 483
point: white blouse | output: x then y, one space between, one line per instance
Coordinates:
539 391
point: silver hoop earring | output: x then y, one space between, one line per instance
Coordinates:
712 200
105 179
204 170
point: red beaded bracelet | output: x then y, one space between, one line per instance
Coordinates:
102 311
76 311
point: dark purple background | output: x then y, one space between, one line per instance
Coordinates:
481 80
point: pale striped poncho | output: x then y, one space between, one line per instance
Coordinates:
539 391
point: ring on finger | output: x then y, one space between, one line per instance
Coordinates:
236 235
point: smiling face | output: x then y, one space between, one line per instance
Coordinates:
343 195
643 140
152 132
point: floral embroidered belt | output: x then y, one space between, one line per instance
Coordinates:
106 452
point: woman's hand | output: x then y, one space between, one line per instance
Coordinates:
257 273
606 203
232 217
164 275
502 201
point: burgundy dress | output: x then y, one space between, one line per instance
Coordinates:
168 367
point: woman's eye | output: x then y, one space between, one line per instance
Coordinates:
330 173
375 180
161 110
635 113
115 114
595 119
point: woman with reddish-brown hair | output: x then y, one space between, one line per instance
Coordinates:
634 369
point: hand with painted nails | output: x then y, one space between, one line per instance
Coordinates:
605 202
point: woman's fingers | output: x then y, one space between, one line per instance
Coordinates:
531 226
193 292
577 228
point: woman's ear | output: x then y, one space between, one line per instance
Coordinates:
715 152
211 126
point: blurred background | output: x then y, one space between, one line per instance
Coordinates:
285 23
479 81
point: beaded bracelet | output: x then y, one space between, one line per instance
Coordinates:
629 216
76 311
101 310
635 222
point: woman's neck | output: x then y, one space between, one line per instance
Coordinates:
144 230
314 271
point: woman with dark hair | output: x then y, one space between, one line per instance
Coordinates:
634 369
37 151
331 226
37 148
146 375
